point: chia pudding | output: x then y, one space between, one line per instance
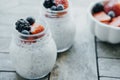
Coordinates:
33 54
60 23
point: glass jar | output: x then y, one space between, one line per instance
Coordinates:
33 55
62 27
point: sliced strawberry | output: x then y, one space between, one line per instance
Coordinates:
116 9
102 16
115 21
107 22
108 5
63 2
37 29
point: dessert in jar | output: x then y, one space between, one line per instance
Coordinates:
33 50
57 14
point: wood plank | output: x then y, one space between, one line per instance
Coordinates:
108 50
79 63
15 14
6 63
5 4
13 76
109 67
6 31
109 78
4 44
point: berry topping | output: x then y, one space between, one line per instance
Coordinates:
97 8
48 3
111 14
60 7
116 8
63 2
102 16
37 29
22 25
25 32
31 20
108 5
54 8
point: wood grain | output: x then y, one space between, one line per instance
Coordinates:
109 67
109 79
106 50
6 63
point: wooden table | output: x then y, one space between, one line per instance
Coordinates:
88 59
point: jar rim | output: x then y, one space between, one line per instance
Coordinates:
49 10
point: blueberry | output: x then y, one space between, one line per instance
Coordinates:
22 25
25 32
31 20
111 14
48 4
97 8
60 7
54 8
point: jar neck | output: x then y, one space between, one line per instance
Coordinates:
31 38
56 14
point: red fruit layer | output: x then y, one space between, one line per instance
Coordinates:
115 22
102 16
36 28
63 2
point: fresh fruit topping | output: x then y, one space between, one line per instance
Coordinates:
107 22
60 7
98 8
111 14
30 20
37 29
115 22
116 8
108 6
54 8
25 32
102 16
57 8
63 2
22 25
56 5
48 3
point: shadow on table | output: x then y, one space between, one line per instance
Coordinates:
18 77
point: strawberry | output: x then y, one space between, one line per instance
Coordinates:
115 21
108 5
116 9
102 16
37 29
63 2
106 22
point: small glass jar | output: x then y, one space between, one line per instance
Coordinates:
33 55
62 27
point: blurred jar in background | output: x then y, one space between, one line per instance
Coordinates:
57 13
